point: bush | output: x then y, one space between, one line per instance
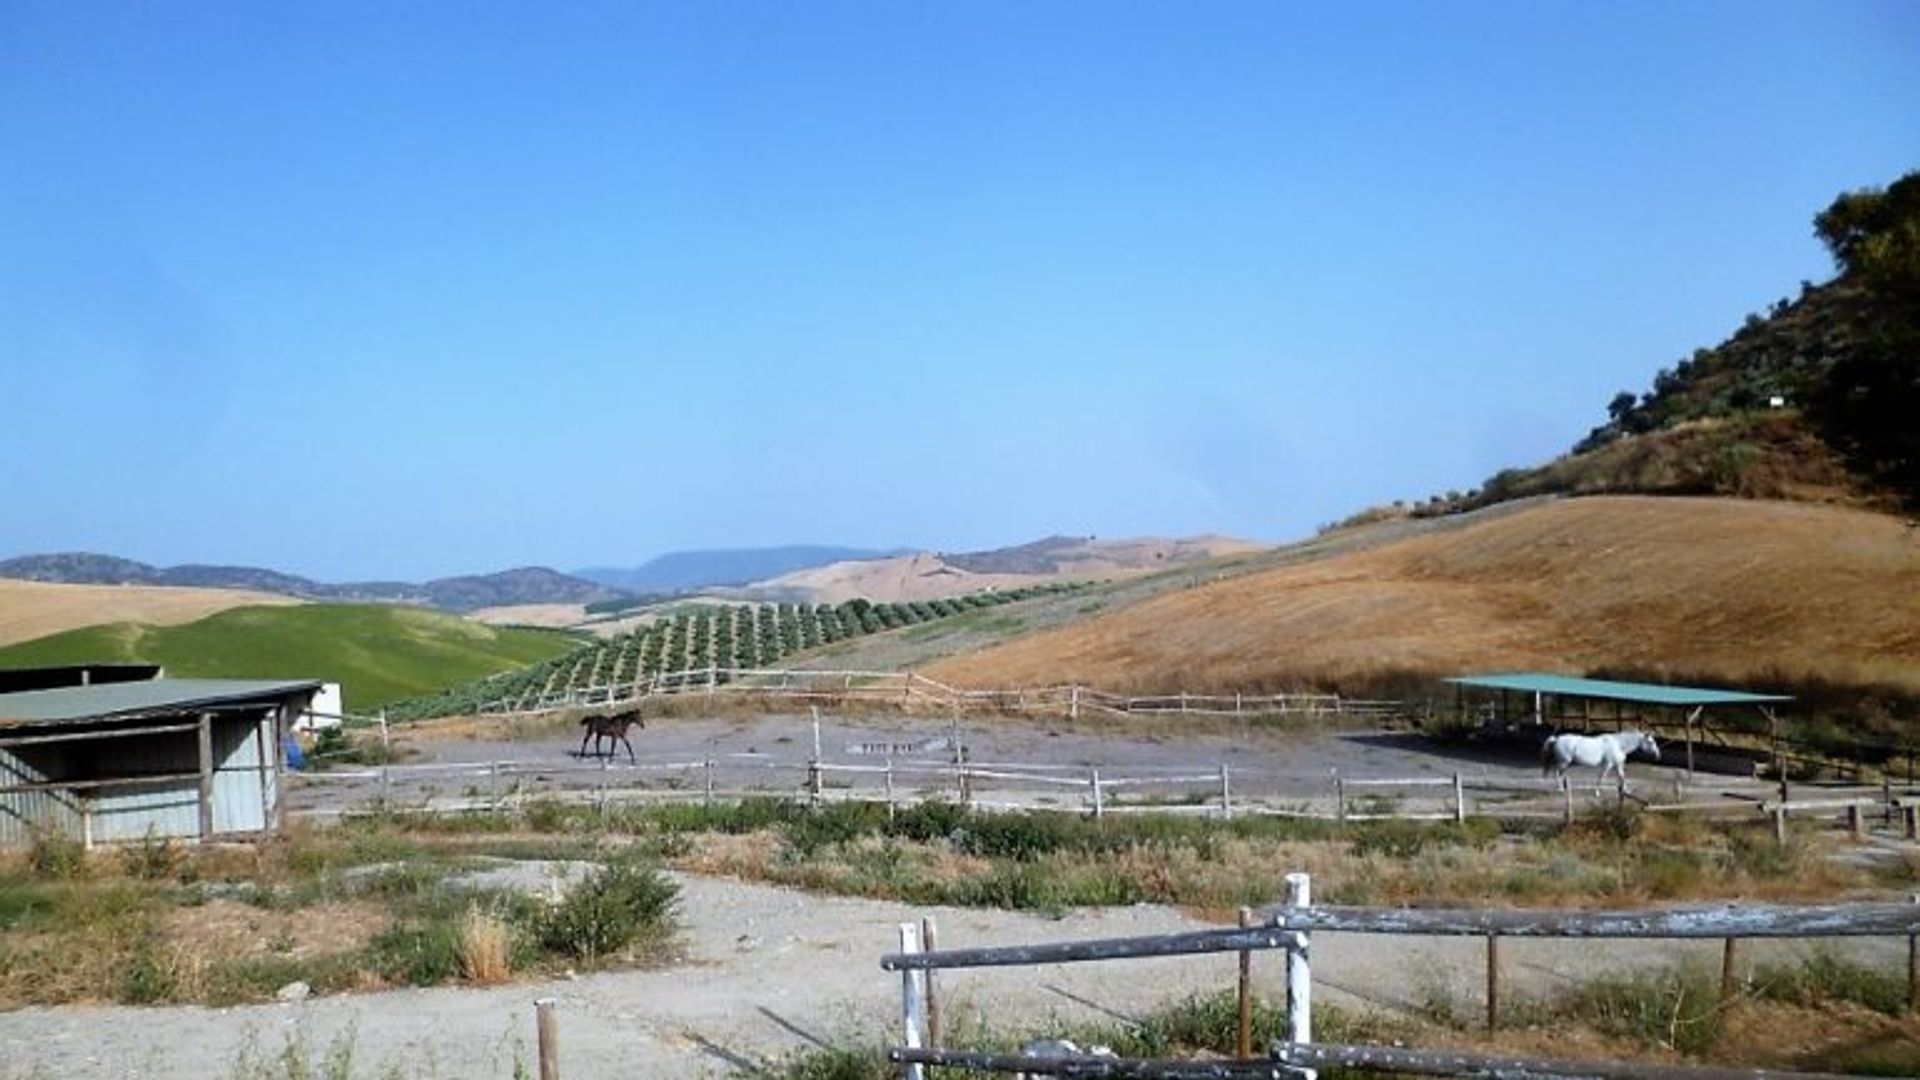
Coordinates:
56 855
152 859
613 907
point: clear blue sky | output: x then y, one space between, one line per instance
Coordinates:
400 289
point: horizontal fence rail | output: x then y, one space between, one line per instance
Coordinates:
1082 1065
1743 921
1290 927
1461 1063
1067 952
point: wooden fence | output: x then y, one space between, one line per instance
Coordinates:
912 689
1290 927
1222 792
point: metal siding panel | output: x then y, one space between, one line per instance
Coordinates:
22 813
135 813
236 780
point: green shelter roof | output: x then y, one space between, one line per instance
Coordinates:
1532 682
111 701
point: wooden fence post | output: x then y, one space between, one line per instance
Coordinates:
547 1033
1339 799
890 806
1729 957
1073 702
913 1017
1780 824
1459 800
1856 822
1913 968
707 769
1566 792
1299 966
929 939
1493 981
1243 1045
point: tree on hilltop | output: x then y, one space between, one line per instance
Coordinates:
1870 405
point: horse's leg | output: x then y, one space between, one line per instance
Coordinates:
631 760
583 744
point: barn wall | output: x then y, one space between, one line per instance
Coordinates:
128 813
245 783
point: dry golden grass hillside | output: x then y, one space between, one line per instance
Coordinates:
35 609
1741 591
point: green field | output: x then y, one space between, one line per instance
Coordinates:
378 653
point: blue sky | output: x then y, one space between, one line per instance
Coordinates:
402 290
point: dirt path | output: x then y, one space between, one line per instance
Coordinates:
767 970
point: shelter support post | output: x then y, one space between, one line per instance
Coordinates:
266 732
204 734
1692 718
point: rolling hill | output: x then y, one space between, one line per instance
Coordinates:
1738 591
378 652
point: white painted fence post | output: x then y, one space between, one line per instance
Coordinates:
1299 966
1226 793
913 1000
1099 804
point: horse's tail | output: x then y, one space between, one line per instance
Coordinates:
1546 755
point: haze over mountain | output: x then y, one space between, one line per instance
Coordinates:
682 571
523 585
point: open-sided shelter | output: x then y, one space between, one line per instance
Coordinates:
174 758
1563 701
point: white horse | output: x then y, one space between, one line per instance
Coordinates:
1609 752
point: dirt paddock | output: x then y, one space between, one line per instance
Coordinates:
1168 759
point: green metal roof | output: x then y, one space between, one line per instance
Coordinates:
1644 693
110 701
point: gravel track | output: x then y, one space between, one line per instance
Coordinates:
768 971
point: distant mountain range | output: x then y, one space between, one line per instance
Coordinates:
524 585
682 571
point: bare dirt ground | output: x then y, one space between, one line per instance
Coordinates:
1168 758
34 609
768 971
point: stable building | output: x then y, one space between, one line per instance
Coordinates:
101 759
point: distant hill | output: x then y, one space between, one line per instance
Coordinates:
378 652
686 571
1053 560
526 585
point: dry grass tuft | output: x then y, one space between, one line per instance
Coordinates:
486 948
